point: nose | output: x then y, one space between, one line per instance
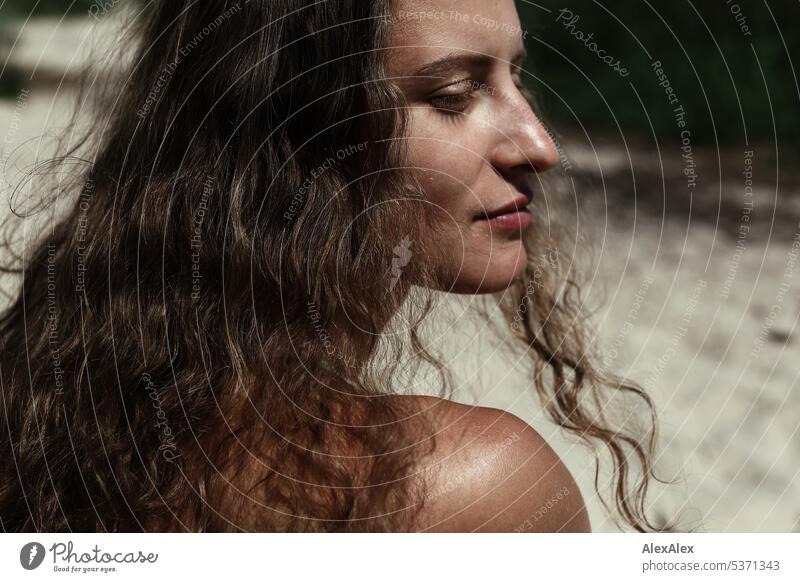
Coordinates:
523 145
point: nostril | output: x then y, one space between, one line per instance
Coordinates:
527 188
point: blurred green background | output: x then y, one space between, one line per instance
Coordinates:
730 83
721 74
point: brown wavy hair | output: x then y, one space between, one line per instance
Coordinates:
200 332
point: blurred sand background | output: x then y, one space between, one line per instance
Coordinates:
686 310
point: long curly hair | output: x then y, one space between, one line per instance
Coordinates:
200 331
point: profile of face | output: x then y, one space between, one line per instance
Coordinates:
473 140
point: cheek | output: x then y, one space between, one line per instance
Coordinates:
447 163
450 160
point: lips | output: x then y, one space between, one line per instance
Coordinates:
511 216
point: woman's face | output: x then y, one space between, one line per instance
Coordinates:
473 139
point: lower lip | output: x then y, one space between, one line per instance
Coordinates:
513 221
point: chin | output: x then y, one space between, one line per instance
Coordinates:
497 273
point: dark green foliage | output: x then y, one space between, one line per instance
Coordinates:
708 57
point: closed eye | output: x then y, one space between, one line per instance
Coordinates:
458 103
455 98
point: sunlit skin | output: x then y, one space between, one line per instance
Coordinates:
473 138
473 142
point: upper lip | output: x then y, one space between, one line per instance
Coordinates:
514 206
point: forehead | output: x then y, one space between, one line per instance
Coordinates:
425 29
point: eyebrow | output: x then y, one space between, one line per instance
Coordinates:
465 60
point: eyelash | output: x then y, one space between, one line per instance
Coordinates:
455 103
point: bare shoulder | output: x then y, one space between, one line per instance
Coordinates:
492 472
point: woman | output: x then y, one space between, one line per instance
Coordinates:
206 339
